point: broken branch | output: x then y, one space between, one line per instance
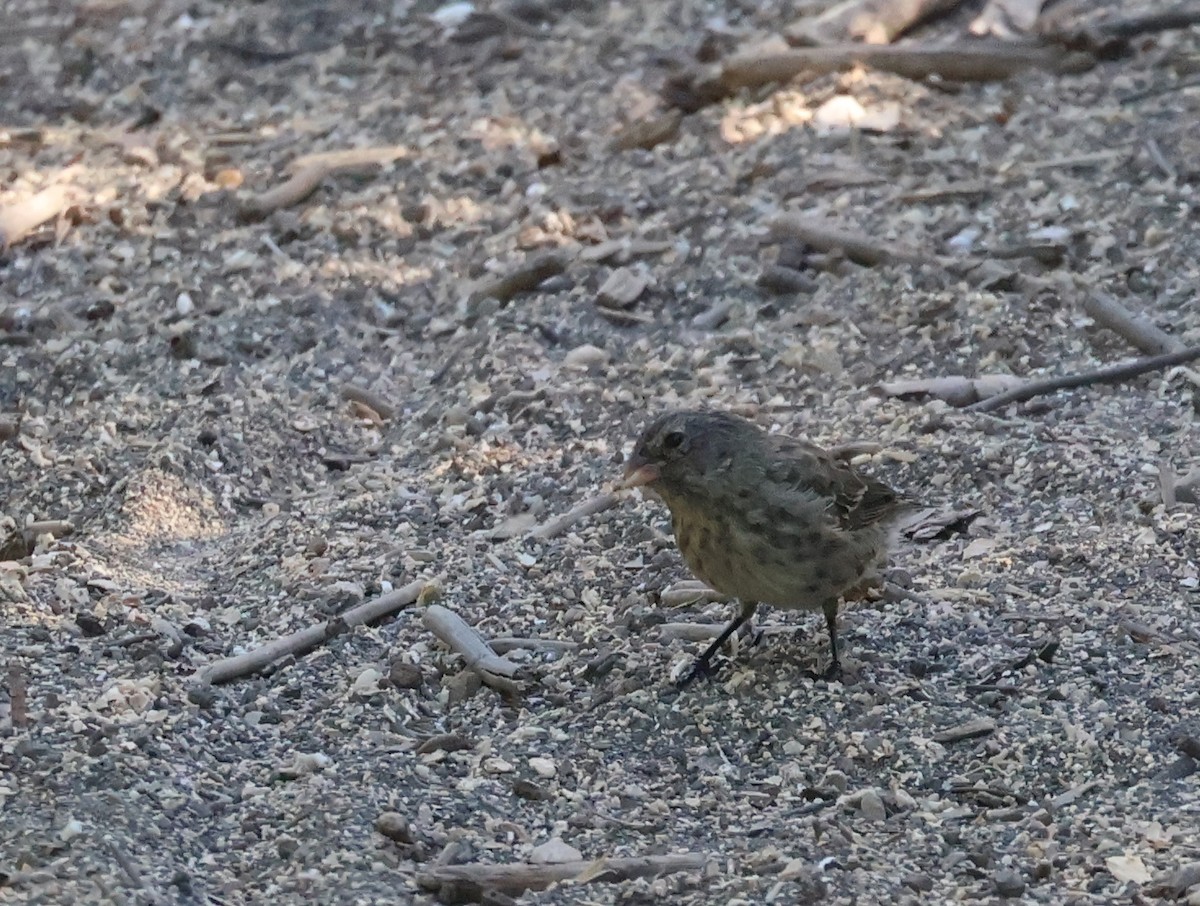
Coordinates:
1110 375
976 62
472 882
452 629
307 174
953 389
531 273
858 247
369 398
1142 333
257 659
560 524
510 643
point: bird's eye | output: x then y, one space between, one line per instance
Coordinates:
673 440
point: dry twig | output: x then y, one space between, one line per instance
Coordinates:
975 62
296 643
307 174
452 629
590 507
1142 333
528 276
825 237
369 398
17 695
470 883
510 643
1110 375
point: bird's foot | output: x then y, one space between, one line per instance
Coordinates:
701 668
829 674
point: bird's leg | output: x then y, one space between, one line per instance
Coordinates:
701 666
834 670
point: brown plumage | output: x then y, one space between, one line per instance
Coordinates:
764 518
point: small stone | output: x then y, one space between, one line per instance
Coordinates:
394 826
497 766
622 288
921 883
202 695
1008 883
837 780
72 829
795 868
367 684
553 852
527 789
287 846
404 675
839 112
456 416
585 356
304 764
543 767
872 807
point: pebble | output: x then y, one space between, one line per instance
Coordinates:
527 789
585 356
404 675
367 684
1008 883
923 883
543 767
871 806
554 851
394 826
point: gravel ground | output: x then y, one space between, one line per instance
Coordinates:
1026 723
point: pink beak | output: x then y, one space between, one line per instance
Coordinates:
638 473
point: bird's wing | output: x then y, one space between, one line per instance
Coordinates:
854 500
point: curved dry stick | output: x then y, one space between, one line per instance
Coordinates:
493 669
1111 375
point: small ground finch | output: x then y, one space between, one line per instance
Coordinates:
764 518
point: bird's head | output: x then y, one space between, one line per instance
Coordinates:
678 449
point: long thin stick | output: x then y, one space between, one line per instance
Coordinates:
1110 375
1141 332
590 507
472 881
306 639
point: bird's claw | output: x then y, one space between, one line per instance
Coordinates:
829 674
700 668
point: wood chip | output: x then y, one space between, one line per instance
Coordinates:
972 729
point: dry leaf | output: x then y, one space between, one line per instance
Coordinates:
979 547
1128 868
